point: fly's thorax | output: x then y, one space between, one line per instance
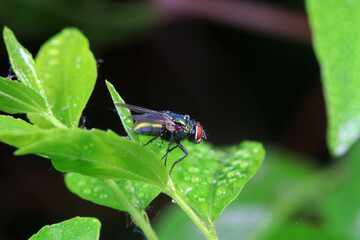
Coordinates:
183 122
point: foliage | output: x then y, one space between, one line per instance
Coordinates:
286 199
336 32
101 166
75 228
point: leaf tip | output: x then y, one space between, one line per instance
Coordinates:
108 84
7 32
20 152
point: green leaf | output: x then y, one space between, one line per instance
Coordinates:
336 33
67 71
340 208
95 153
210 178
10 127
16 97
265 204
21 61
11 124
40 121
123 113
93 189
78 228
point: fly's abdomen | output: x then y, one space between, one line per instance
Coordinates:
147 128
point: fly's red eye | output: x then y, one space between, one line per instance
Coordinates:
199 133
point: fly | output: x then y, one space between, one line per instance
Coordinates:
166 125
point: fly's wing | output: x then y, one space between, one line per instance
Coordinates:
153 118
136 108
148 116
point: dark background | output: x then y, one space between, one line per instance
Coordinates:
244 69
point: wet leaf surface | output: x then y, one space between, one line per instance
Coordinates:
67 71
78 228
211 178
93 189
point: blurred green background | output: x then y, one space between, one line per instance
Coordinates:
244 69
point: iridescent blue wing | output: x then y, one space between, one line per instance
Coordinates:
148 116
136 108
153 118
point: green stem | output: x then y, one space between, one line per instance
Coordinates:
171 191
134 212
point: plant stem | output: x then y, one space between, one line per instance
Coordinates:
134 212
171 191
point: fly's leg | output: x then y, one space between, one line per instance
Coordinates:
153 139
168 150
186 153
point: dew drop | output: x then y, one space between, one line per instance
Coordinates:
54 62
226 169
231 180
237 162
256 150
220 191
195 179
86 190
56 42
206 171
64 108
102 196
244 164
187 178
193 169
187 190
53 51
232 174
